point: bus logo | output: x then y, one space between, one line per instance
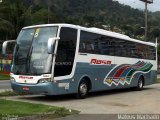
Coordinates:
25 77
100 62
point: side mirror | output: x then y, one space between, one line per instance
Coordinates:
51 44
5 45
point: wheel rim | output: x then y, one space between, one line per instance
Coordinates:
83 89
140 84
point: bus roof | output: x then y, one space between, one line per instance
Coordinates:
95 30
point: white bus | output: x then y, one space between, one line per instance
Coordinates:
56 59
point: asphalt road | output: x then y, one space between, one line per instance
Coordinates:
100 105
4 85
126 101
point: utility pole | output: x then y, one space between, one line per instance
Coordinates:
146 16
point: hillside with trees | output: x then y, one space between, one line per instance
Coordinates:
106 14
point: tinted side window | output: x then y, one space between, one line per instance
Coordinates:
99 44
107 46
145 51
152 53
121 48
89 42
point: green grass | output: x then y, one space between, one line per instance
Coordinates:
7 93
4 77
19 109
158 80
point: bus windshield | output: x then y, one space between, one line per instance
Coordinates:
30 53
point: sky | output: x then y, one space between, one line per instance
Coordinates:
140 5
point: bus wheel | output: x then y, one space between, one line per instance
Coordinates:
140 84
83 89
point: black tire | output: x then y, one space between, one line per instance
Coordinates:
83 89
140 84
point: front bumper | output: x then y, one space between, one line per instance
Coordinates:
40 88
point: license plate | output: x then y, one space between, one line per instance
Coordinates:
25 88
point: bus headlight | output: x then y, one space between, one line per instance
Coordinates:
44 80
12 79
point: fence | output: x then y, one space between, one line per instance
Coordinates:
5 66
5 63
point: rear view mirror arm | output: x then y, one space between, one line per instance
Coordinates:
4 46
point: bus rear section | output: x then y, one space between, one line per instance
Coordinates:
115 61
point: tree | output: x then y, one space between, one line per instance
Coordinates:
13 17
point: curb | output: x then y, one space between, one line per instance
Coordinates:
4 80
5 90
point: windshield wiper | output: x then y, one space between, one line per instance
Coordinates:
28 60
